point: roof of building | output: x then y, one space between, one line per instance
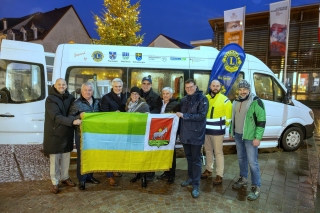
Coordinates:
45 22
174 41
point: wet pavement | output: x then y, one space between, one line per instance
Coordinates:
290 183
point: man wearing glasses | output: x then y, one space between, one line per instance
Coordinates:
154 102
192 116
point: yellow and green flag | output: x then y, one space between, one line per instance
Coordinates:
127 142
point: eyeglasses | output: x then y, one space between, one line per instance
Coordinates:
134 94
189 87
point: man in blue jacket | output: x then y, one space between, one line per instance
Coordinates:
192 116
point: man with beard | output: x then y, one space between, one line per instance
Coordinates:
248 123
218 117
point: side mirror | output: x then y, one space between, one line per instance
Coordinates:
3 97
288 97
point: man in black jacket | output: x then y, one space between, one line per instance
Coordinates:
114 101
152 98
85 103
154 102
169 105
58 133
192 116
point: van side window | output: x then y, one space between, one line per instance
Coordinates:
100 77
202 79
21 82
234 90
160 79
267 88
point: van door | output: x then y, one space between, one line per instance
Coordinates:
22 92
270 91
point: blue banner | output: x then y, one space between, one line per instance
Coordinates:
227 66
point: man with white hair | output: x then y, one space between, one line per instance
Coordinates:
169 105
85 103
115 100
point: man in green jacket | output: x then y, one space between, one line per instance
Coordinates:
248 123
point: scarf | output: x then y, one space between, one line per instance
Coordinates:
132 106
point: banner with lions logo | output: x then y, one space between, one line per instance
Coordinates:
227 66
127 142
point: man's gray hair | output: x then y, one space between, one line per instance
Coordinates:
117 80
87 84
169 89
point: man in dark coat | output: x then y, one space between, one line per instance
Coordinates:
154 102
169 105
152 98
85 103
114 101
58 133
192 116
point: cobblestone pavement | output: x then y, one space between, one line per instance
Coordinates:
289 184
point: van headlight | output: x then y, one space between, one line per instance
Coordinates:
311 114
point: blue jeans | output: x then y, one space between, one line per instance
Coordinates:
247 153
193 155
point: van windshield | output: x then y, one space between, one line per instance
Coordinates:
21 82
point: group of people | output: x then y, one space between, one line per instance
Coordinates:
203 121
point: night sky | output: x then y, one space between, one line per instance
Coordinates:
183 20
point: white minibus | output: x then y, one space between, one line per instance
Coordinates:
23 85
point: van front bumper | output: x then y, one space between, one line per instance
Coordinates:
309 130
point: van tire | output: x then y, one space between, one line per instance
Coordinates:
292 139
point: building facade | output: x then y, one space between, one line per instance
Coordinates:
303 61
61 25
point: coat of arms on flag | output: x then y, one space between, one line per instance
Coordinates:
160 129
127 142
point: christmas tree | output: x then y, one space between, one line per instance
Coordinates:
119 23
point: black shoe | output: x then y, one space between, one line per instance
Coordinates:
133 180
150 175
93 180
163 176
170 180
82 185
144 181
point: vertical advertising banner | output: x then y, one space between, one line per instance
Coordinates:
319 26
234 26
278 27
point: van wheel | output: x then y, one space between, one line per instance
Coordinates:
292 139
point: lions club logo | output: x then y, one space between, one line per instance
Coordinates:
231 61
97 56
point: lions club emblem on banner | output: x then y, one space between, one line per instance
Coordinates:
160 131
231 61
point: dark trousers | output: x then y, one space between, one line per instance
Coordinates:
193 155
81 178
172 171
